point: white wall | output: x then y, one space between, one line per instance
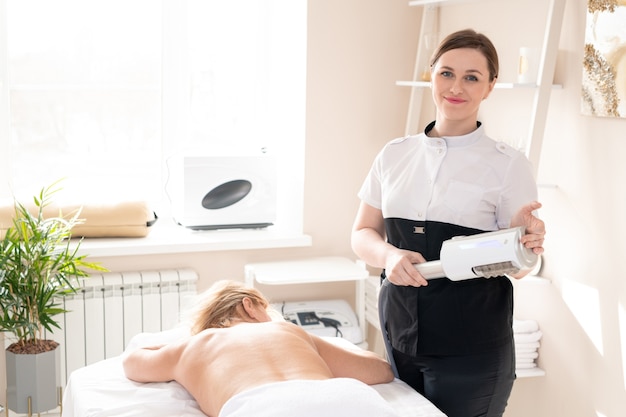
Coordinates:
582 310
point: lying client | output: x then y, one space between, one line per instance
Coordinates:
238 362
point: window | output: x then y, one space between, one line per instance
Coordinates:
104 92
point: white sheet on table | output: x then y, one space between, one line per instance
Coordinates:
102 390
406 401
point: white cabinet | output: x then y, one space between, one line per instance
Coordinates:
314 271
547 63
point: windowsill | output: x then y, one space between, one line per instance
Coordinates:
176 239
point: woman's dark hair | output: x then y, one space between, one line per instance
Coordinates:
469 38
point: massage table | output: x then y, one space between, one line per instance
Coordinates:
102 390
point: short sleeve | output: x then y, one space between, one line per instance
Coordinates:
520 188
371 189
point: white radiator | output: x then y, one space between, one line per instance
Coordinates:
110 308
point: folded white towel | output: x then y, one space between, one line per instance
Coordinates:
527 337
525 365
525 346
525 326
524 360
529 355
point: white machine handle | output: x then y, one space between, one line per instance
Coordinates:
430 270
484 255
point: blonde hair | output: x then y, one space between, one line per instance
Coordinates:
221 303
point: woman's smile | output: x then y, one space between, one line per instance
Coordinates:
454 100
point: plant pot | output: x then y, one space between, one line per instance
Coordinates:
33 375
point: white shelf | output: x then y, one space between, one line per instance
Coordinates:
426 84
314 270
542 89
305 271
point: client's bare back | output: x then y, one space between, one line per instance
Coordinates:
219 363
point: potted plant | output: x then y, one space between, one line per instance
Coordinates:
38 266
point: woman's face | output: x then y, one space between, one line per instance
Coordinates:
460 82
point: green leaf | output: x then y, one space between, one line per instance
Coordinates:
38 266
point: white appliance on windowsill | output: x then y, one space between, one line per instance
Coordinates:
223 192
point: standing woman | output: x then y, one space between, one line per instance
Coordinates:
452 341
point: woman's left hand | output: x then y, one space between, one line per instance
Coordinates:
535 227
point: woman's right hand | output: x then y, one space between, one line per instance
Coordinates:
368 242
399 268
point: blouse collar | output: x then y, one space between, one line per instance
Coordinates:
456 141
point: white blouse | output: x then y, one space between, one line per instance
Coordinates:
468 180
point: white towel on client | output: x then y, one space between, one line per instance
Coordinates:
336 397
